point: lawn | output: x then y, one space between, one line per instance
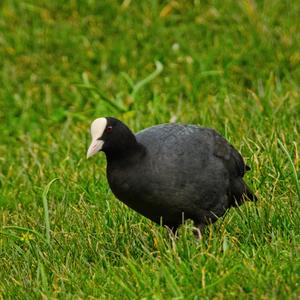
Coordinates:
230 65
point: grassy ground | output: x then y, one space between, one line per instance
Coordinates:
231 65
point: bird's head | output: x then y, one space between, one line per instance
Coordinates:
110 136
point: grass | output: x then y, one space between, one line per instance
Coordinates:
234 66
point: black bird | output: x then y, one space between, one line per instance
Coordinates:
171 172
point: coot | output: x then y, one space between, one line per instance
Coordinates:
171 172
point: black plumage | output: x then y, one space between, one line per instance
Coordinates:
173 172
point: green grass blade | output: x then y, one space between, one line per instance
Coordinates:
293 168
46 209
159 68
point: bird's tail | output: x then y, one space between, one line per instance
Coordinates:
241 192
249 194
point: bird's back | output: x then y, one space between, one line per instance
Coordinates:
183 170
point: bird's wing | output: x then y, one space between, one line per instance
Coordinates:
230 156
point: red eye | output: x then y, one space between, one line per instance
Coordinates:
109 129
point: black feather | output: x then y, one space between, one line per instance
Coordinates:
172 172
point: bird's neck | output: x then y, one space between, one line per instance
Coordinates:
126 151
